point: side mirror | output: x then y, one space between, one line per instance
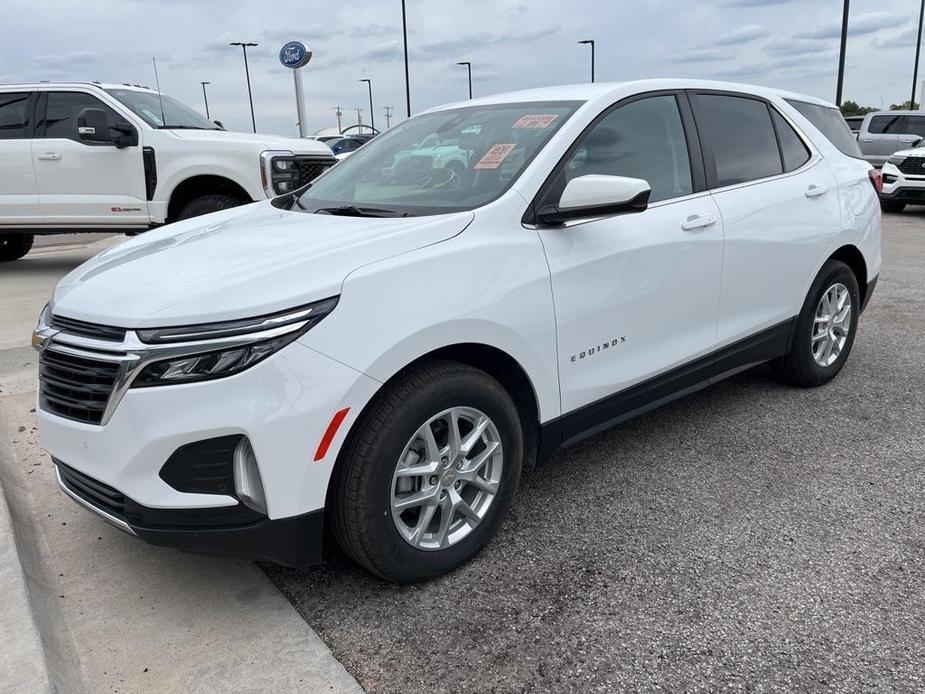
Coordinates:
596 195
93 126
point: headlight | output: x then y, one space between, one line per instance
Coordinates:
896 161
226 348
282 172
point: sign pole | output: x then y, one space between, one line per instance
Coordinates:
300 101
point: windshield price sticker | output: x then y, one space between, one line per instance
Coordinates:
494 156
538 121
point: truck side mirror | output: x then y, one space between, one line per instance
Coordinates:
93 126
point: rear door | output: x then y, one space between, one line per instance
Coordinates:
19 199
81 182
780 211
880 138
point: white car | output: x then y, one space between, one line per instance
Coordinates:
385 354
107 157
903 180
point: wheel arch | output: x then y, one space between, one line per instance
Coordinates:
202 184
851 256
492 360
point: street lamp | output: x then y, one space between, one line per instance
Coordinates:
469 67
918 48
404 31
244 46
590 42
372 117
206 98
841 54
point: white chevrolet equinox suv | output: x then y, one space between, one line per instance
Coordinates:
85 156
377 356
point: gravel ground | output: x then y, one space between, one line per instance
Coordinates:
752 537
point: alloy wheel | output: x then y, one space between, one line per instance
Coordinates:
831 325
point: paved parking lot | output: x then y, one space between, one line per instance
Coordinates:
752 537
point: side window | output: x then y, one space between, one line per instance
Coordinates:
14 115
643 139
61 111
741 136
885 125
914 125
792 149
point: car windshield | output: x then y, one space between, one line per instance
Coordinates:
176 115
435 163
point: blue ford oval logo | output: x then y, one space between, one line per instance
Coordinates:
294 55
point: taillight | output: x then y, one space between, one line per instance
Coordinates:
876 180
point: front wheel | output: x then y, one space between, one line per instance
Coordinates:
825 328
15 246
206 204
430 473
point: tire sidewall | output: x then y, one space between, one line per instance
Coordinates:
459 390
833 272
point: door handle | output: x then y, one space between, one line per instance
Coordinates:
697 221
815 191
51 156
867 139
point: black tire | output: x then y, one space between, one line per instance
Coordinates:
893 206
208 203
798 367
15 246
360 499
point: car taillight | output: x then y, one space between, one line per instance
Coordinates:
876 180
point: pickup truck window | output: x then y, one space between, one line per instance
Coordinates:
14 115
61 111
885 125
163 112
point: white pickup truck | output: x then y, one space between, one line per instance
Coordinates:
104 157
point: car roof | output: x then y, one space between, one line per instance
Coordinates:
897 113
610 91
98 85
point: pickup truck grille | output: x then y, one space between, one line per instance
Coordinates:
914 166
74 387
310 167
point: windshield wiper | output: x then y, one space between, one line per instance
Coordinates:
355 211
184 127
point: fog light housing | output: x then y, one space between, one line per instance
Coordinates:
247 481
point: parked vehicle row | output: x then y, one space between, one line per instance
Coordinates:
90 157
383 352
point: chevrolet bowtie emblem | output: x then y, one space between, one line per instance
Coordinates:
42 338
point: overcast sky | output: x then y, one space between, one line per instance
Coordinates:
512 44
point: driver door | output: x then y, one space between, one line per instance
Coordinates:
636 294
81 182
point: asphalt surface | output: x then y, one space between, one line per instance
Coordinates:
753 537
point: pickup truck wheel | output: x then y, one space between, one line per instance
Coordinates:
208 203
15 246
430 473
825 328
892 206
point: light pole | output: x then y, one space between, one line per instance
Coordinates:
388 117
918 48
339 114
590 42
469 68
372 116
359 120
404 31
841 54
244 46
206 98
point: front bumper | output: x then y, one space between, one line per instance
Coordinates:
901 187
295 541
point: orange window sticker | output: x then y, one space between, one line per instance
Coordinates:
494 156
540 121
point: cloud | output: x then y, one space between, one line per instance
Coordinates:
702 55
755 3
868 23
904 39
790 47
742 35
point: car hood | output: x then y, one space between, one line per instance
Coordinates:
237 263
912 152
295 145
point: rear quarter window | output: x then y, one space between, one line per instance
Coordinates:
830 123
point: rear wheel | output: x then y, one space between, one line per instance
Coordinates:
15 246
825 328
208 203
893 206
430 474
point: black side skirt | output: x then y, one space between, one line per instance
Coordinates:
574 426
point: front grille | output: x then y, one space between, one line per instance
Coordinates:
95 493
75 387
914 166
312 167
79 327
